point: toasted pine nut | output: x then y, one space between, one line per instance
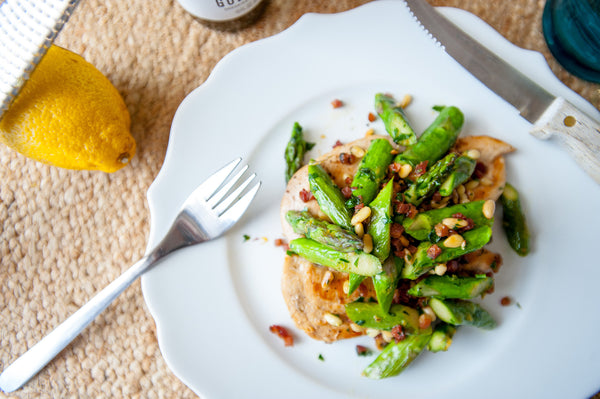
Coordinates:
372 332
356 328
460 189
455 223
370 132
357 151
440 269
404 241
368 243
359 229
454 241
332 319
472 184
488 209
429 311
360 216
406 100
387 335
346 287
327 279
486 181
405 170
473 153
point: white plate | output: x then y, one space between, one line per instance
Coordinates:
214 303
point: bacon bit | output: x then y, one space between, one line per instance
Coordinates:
480 170
306 195
505 301
434 251
336 103
347 158
412 249
282 333
437 197
347 192
398 333
396 230
280 242
441 230
424 321
452 266
395 167
372 117
348 180
409 210
362 350
359 206
337 143
420 169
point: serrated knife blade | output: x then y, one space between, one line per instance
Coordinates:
27 29
551 116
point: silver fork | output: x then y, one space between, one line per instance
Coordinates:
212 209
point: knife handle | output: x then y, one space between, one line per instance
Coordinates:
577 132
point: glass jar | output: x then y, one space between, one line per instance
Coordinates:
226 15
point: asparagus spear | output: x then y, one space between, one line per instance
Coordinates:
462 170
381 219
355 262
422 262
354 281
428 183
326 233
421 225
295 150
372 169
452 287
394 119
369 315
436 140
460 312
328 195
441 339
397 356
513 221
385 282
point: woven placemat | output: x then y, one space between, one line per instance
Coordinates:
67 234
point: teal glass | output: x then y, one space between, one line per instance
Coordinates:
572 32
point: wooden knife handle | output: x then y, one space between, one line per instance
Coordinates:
577 132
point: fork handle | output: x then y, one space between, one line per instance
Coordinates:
32 361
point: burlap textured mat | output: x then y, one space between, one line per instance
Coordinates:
66 234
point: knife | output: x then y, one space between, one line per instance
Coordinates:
550 116
27 29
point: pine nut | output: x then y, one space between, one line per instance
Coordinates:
429 311
473 153
346 287
332 319
372 332
368 243
460 189
357 151
387 335
356 328
327 279
359 229
406 100
404 241
486 181
370 132
455 223
440 269
405 170
488 209
472 184
454 241
360 216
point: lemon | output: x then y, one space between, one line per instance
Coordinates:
69 115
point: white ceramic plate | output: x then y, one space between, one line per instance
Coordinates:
214 303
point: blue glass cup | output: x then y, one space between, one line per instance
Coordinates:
572 32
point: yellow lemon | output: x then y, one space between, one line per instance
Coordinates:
69 115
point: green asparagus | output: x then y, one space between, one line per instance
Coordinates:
460 312
369 315
326 233
372 169
462 170
328 195
385 282
513 221
421 261
381 219
452 287
397 356
354 281
354 262
441 339
295 150
421 225
428 183
436 140
394 119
